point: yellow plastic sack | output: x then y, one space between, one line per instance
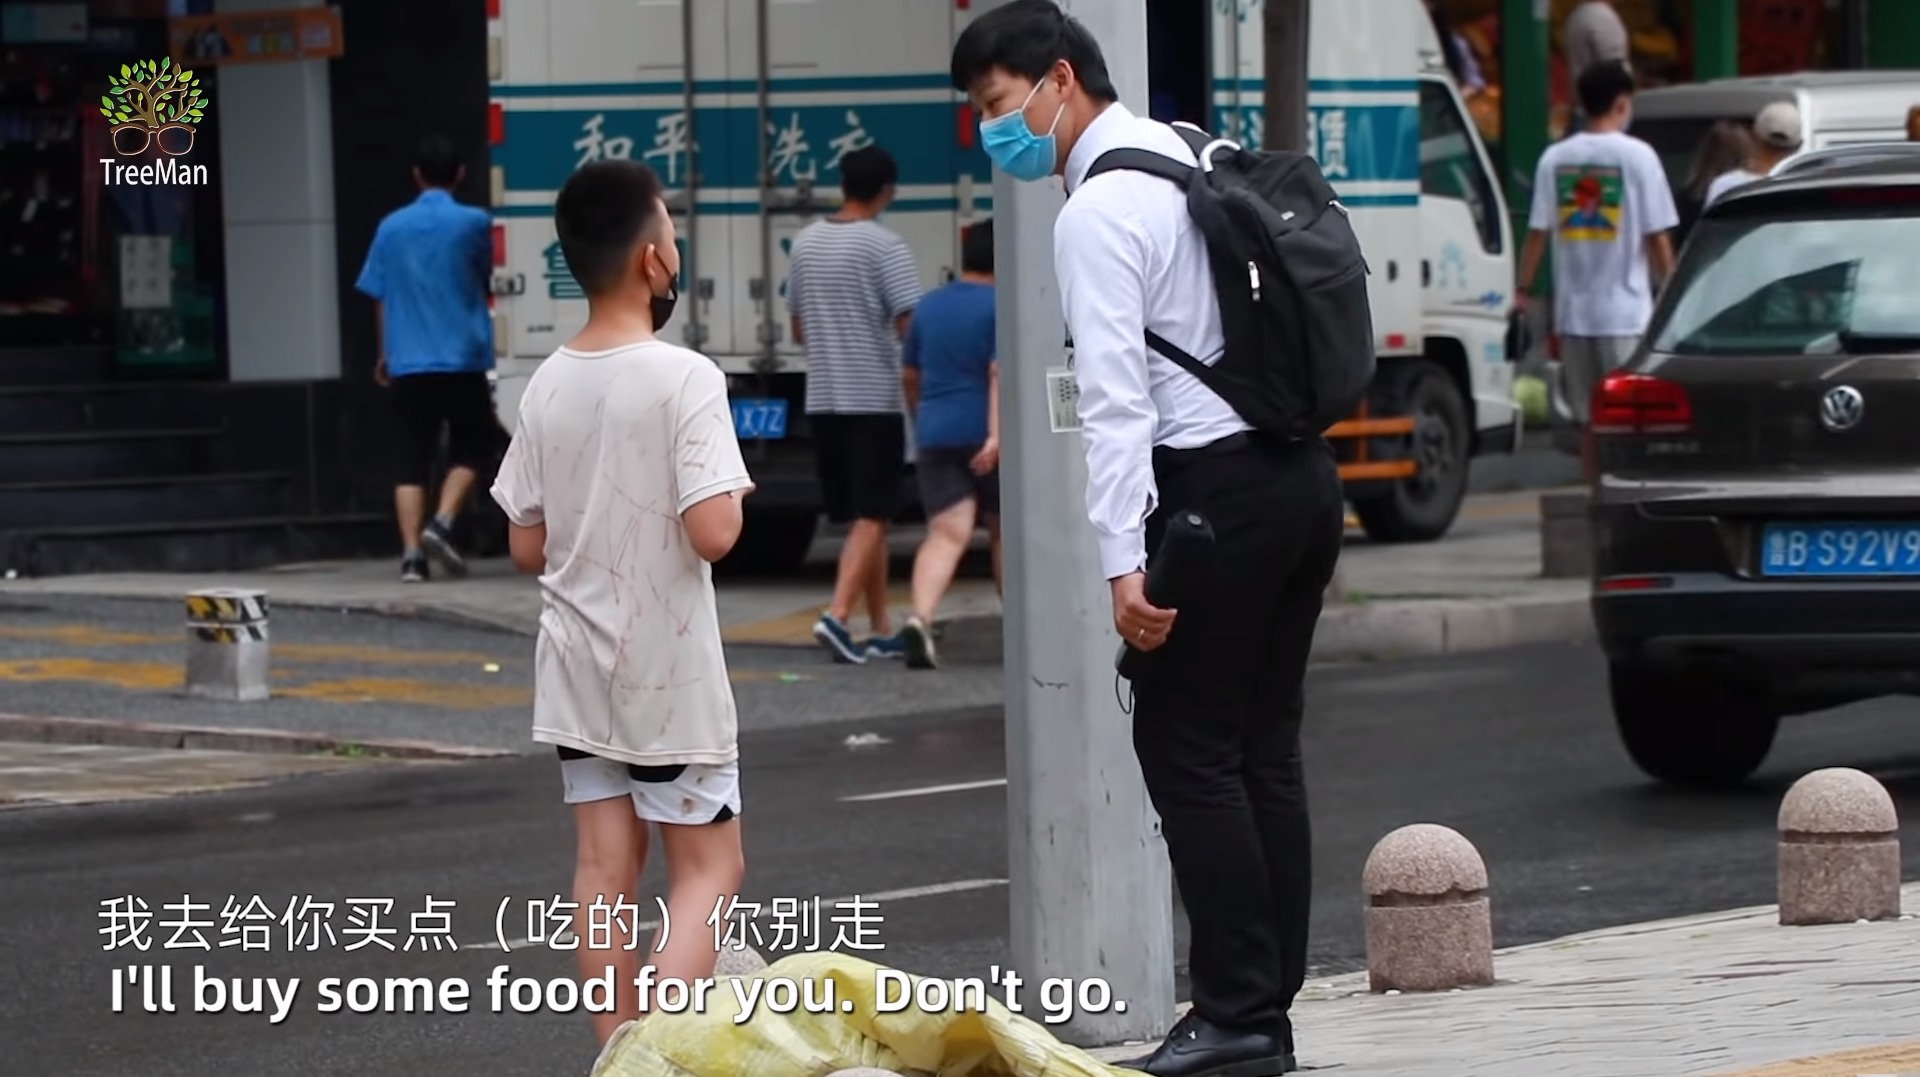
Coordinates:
994 1042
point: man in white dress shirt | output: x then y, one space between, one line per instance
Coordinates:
1216 722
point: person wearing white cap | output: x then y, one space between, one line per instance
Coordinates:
1776 137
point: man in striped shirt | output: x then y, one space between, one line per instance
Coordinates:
851 290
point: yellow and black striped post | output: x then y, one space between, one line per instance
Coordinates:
227 645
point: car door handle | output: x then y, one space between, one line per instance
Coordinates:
1426 273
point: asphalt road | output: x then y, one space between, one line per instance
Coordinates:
1512 748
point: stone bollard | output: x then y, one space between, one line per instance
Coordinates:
1566 537
1429 925
1839 850
227 645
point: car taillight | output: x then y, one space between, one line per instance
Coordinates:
1628 403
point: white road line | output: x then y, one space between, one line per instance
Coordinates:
928 790
959 886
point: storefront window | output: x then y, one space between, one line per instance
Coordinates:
124 255
1776 37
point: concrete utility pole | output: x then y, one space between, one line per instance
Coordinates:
1091 893
1284 55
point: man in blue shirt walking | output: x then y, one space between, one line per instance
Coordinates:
427 275
952 384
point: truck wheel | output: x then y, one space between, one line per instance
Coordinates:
1688 733
1420 507
771 543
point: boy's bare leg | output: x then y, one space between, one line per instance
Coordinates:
933 567
704 868
611 850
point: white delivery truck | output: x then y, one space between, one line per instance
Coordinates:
745 108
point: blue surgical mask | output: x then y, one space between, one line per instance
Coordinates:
1012 145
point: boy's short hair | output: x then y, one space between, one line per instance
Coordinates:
438 161
1026 38
866 172
976 247
1603 84
603 212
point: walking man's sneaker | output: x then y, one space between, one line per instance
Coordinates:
838 641
439 545
413 568
894 646
919 641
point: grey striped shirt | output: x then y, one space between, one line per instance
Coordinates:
847 283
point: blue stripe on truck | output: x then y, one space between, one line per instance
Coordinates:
1353 143
818 84
718 208
542 148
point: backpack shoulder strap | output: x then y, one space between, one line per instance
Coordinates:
1138 160
1195 138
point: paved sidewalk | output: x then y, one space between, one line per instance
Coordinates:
1478 588
1720 994
37 775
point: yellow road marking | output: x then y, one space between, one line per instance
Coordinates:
166 677
342 653
151 676
418 693
1889 1058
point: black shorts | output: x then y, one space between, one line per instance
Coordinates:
947 478
861 461
462 404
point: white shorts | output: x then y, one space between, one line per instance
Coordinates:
691 794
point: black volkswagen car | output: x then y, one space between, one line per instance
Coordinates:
1756 474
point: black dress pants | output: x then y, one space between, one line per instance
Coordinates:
1217 712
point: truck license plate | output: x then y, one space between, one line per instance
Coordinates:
1840 549
760 418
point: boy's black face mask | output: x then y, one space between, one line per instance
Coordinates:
663 306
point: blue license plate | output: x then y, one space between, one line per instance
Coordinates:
1840 549
760 418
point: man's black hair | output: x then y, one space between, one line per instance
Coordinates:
1026 38
438 162
603 212
865 173
976 248
1603 84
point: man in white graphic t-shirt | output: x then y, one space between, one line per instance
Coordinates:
1603 198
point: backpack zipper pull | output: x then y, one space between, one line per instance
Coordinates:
1253 279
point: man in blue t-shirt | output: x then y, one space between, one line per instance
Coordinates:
427 275
953 386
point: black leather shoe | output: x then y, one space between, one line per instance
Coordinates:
1198 1048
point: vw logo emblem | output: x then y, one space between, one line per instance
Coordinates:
1842 408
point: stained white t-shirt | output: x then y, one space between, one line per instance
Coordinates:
1601 195
611 448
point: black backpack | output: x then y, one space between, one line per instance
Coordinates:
1290 278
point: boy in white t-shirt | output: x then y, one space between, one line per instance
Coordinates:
1603 197
623 483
